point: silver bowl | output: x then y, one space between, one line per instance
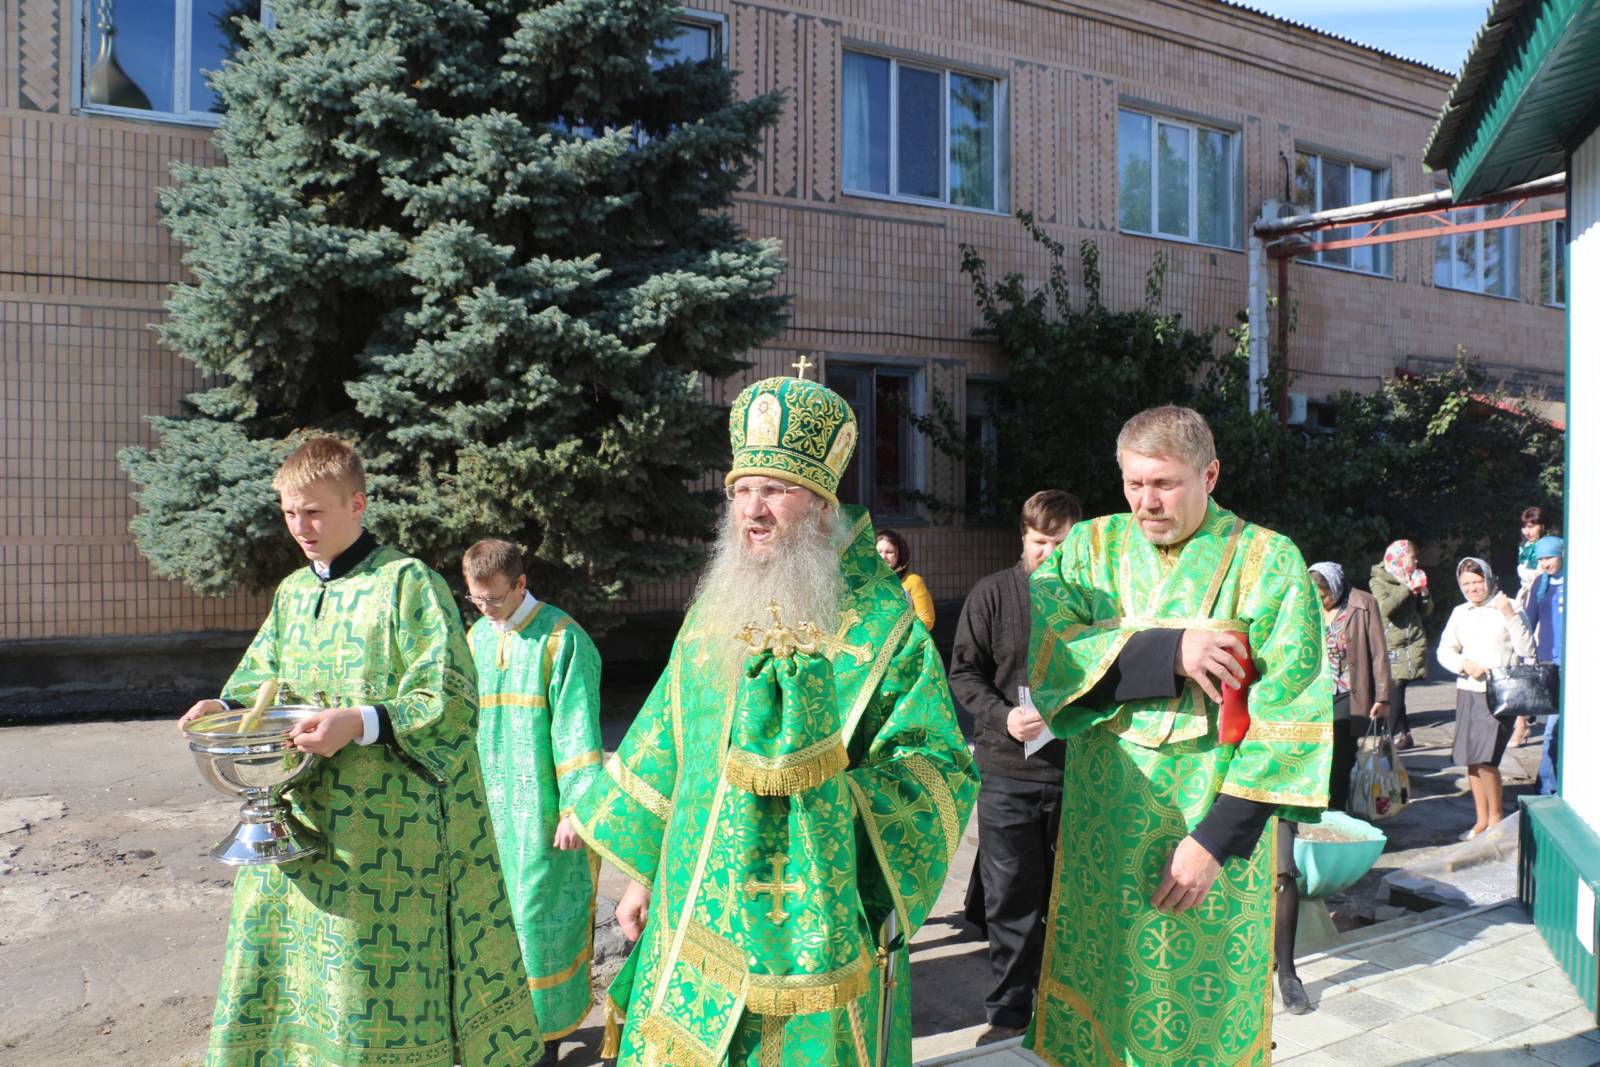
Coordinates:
258 765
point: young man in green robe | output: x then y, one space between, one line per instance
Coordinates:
539 744
394 943
787 802
1159 943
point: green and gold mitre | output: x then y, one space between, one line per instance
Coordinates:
797 430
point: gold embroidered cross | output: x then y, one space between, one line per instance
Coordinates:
777 888
835 643
801 366
779 639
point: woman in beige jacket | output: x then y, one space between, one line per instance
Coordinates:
1484 633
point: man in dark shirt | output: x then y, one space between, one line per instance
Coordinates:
1019 800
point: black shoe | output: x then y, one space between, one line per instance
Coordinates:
999 1033
1295 1001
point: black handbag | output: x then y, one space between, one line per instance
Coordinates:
1525 689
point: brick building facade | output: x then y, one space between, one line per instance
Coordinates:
908 129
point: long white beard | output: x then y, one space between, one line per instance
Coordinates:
800 573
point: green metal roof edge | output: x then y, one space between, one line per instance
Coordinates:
1500 76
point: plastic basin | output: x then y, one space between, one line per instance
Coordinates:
1329 866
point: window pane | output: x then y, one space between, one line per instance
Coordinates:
1361 192
972 141
1336 193
1466 274
1502 259
918 117
854 385
214 36
1560 257
1214 197
130 54
691 42
1133 171
891 453
1304 192
1172 178
1305 182
1442 257
866 123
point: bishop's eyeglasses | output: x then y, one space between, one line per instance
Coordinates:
769 492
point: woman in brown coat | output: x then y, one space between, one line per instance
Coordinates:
1358 661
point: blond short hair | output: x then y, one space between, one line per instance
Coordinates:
321 459
490 557
1171 432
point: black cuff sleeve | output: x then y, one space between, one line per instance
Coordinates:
1143 671
231 705
1232 826
385 725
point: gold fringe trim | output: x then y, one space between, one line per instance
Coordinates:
713 956
786 776
783 994
611 1039
672 1044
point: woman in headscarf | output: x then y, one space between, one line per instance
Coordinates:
1359 666
1484 633
1401 590
1358 662
896 553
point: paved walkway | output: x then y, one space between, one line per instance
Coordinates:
1478 989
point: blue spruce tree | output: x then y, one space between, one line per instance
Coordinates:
488 242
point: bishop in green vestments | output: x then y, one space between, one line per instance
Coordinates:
393 945
1159 941
787 802
539 743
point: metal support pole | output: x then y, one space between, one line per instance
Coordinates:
1256 311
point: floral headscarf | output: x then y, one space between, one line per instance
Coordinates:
1392 562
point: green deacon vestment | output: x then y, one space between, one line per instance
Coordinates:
714 854
539 743
394 945
1122 983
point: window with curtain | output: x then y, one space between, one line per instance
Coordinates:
1553 263
1177 180
1323 182
923 133
883 397
151 57
1485 261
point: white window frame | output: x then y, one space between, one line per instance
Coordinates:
1235 194
1380 252
1552 253
1505 233
83 10
1002 134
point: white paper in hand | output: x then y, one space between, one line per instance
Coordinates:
1025 699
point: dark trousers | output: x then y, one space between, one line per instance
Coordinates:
1344 753
1398 723
1018 823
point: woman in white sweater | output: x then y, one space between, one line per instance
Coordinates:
1484 633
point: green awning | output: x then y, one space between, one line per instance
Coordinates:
1528 93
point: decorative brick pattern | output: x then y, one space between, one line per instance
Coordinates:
39 53
85 265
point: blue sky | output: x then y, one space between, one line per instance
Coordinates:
1436 32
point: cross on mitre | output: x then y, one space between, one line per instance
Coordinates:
801 366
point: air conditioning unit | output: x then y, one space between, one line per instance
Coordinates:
1297 409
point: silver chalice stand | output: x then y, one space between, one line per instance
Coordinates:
258 765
